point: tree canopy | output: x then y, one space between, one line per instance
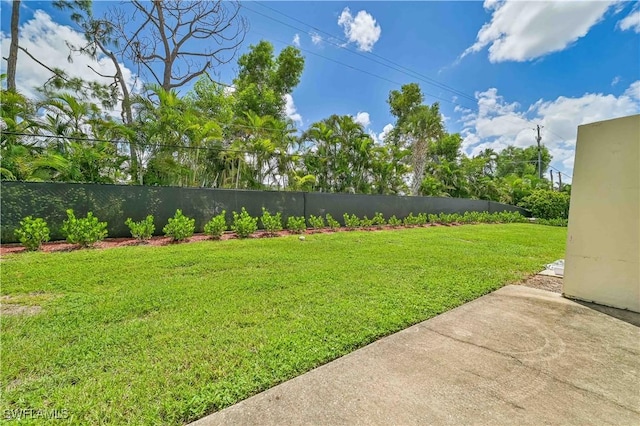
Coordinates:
235 136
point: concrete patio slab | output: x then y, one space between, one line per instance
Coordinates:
516 356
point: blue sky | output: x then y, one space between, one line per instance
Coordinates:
510 65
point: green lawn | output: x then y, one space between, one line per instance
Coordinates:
165 335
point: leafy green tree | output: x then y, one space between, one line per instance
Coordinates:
17 115
521 161
263 79
179 137
388 168
340 154
547 204
417 126
481 183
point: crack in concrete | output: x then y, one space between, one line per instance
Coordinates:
546 373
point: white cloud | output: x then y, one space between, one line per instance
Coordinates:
362 30
362 118
46 40
498 123
522 31
290 109
631 21
634 90
315 38
385 131
296 40
380 137
615 80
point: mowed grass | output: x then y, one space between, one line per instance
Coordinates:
165 335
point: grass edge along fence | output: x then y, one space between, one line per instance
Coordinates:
181 228
115 203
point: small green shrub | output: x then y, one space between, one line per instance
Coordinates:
243 224
449 218
142 230
179 227
444 218
484 217
378 220
272 223
421 219
85 231
32 232
410 220
333 224
547 204
394 222
471 217
297 225
433 218
216 226
553 222
351 221
316 222
493 218
366 222
510 217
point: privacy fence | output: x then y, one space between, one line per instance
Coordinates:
115 203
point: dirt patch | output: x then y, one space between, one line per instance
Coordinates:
13 310
24 304
543 282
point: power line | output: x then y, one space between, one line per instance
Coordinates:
561 172
393 65
359 54
208 148
346 65
276 152
554 133
356 68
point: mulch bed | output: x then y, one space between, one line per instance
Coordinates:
58 246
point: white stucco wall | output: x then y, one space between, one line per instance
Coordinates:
602 261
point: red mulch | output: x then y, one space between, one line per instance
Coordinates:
58 246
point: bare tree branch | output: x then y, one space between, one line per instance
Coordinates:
56 73
162 43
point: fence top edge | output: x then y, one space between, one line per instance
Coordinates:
293 193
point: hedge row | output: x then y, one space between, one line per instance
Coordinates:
86 231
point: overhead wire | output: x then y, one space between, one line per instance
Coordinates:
206 148
345 42
276 152
395 66
399 68
359 54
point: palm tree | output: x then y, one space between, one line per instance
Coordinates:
424 126
317 143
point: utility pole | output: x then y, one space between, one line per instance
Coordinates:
559 181
538 139
551 176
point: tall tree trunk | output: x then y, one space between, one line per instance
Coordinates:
418 161
13 48
126 114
